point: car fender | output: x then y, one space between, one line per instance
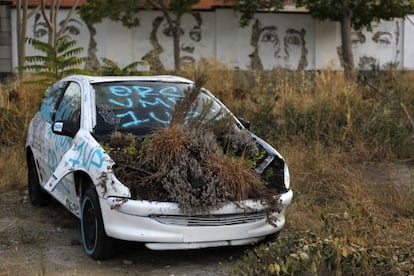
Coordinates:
87 155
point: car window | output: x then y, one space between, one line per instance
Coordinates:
52 96
70 105
140 107
133 106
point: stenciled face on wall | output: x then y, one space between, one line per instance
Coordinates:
161 39
377 48
278 48
76 29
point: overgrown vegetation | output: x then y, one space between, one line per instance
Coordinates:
18 103
200 161
349 148
54 63
111 68
184 165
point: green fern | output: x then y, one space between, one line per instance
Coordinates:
55 62
111 68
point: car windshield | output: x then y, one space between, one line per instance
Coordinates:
141 106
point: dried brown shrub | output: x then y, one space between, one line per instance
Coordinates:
200 161
184 165
239 182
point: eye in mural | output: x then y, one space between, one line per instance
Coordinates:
161 38
378 48
77 29
277 48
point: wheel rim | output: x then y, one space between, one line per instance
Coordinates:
89 226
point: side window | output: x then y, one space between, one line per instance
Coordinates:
70 105
52 96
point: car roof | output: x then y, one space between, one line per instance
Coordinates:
98 79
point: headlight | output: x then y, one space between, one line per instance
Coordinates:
286 176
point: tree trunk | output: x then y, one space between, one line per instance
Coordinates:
23 34
69 16
20 38
52 30
346 45
22 16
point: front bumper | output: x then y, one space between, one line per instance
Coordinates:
161 225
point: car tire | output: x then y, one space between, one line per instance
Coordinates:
38 197
96 243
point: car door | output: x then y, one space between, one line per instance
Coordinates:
68 109
41 125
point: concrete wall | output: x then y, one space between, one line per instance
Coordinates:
5 40
408 43
272 40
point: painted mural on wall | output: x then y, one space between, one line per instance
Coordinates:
161 39
76 28
378 48
278 48
283 40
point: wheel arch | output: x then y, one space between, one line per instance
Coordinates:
83 182
29 153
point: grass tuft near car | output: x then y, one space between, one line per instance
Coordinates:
153 159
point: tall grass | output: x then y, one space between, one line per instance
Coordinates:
12 168
341 140
345 143
18 104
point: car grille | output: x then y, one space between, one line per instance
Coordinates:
210 220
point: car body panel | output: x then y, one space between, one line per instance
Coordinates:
137 221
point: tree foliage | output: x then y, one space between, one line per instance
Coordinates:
356 14
247 9
362 12
111 68
125 11
55 62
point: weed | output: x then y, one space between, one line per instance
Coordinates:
11 161
184 165
341 141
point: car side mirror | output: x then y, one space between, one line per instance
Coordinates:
244 122
65 128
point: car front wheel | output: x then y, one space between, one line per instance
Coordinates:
96 243
37 196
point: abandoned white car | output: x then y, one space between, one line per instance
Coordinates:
72 157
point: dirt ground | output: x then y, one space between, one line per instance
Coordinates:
47 241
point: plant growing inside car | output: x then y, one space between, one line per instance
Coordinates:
199 161
187 166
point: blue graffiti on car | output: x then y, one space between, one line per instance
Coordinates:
88 156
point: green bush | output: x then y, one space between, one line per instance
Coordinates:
306 253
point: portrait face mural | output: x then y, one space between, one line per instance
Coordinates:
76 29
161 39
379 48
276 47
